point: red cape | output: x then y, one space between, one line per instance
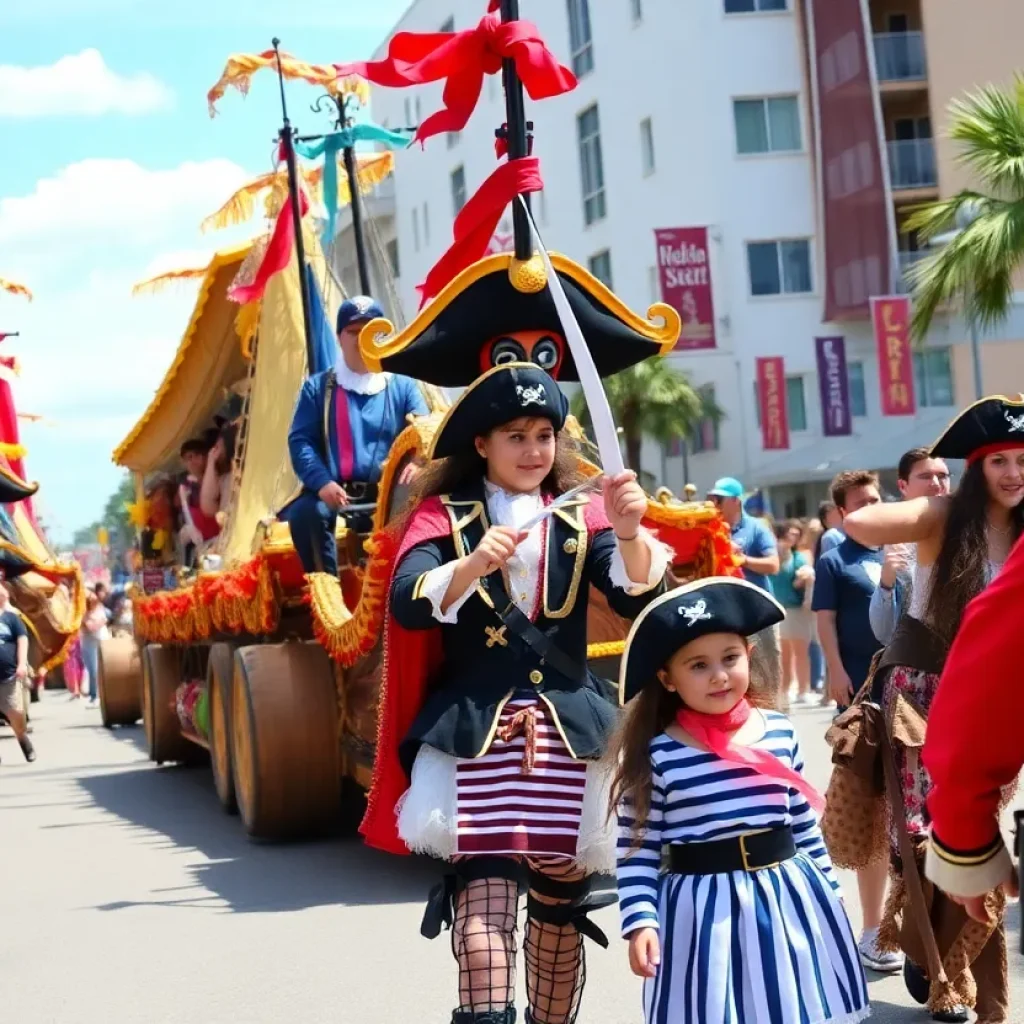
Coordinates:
412 658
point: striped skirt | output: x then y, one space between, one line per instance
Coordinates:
527 796
770 947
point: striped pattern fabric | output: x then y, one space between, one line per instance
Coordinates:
768 947
502 810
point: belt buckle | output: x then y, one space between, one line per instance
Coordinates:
745 856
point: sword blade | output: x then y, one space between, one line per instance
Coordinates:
563 499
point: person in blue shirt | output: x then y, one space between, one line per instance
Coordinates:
752 539
344 425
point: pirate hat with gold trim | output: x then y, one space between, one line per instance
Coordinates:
12 487
990 425
720 604
12 564
500 295
501 395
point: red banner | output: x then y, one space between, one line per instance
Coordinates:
685 271
891 317
771 395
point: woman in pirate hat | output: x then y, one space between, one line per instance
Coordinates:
492 726
962 541
728 898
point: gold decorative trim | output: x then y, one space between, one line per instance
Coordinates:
458 525
1018 401
528 276
582 544
11 477
417 590
609 649
377 340
558 724
489 739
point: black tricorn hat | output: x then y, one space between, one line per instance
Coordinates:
501 395
12 563
12 487
719 604
989 425
500 295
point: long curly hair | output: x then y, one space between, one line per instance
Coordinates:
647 716
959 574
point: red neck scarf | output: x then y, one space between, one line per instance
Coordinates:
715 732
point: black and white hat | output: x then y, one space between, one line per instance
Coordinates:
987 426
503 394
718 604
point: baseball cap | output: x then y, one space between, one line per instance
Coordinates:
359 308
727 487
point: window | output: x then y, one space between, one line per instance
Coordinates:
769 125
492 87
647 146
750 6
654 284
601 266
858 392
416 229
933 378
588 128
408 113
539 206
458 189
637 8
705 437
392 250
780 268
796 407
426 224
580 41
419 109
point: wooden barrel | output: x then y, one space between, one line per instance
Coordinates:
161 677
218 684
120 681
284 735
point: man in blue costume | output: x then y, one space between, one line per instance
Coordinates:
345 422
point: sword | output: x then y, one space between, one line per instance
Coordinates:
593 390
591 484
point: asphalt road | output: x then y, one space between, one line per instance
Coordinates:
130 898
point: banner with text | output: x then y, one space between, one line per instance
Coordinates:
771 396
891 317
685 271
834 387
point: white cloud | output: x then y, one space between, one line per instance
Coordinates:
78 85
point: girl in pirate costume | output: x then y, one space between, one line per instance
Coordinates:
501 750
962 541
727 895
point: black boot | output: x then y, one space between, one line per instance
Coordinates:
506 1016
956 1015
27 749
916 981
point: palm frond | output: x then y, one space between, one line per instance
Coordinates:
989 123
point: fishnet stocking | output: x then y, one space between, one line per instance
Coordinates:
555 962
484 944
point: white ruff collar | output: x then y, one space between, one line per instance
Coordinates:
359 383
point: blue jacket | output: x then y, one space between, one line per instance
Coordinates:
374 422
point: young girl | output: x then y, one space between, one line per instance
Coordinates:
497 746
728 898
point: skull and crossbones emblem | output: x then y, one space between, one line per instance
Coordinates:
695 612
1016 422
530 395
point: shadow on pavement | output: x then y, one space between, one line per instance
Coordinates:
179 806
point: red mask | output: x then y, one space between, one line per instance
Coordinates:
541 347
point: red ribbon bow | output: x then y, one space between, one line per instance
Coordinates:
462 59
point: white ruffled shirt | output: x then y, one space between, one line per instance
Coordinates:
524 567
359 383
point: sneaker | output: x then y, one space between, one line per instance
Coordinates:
875 958
27 749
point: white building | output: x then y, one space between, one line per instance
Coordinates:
686 115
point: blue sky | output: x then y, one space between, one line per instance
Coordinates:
110 162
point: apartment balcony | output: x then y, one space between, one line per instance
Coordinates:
899 57
912 165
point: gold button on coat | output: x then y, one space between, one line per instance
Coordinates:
570 547
536 677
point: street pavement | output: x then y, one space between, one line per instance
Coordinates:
131 898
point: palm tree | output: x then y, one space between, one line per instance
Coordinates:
977 265
654 399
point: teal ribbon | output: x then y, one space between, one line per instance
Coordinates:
330 146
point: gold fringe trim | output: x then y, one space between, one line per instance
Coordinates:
609 649
240 68
14 288
152 285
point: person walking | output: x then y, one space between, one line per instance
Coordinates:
14 671
94 629
791 583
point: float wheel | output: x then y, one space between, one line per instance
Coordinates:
120 681
284 734
219 685
161 677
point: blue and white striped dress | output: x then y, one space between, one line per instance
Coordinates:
768 947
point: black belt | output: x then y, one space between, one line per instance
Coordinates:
754 851
358 490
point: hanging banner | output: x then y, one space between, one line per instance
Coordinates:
685 272
891 317
834 387
771 396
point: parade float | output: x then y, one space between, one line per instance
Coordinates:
274 672
47 593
